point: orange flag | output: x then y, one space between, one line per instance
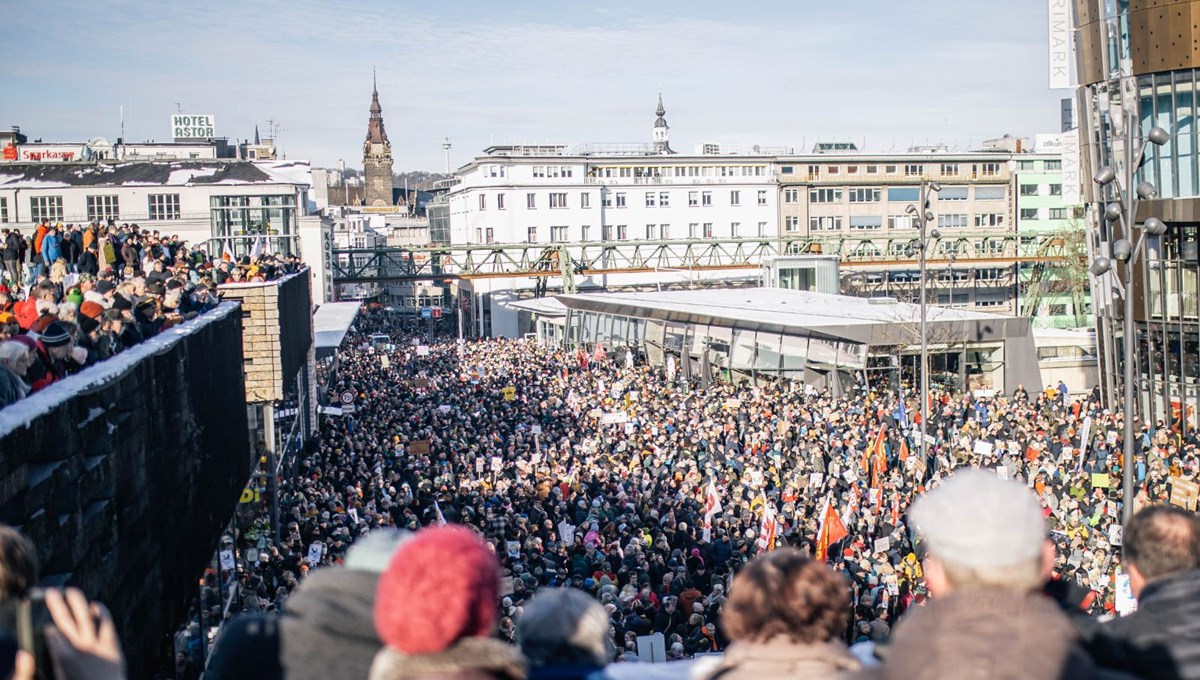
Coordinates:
903 450
832 530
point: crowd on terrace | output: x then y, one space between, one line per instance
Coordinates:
72 295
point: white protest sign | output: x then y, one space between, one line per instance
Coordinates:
479 463
227 563
1116 534
536 429
566 531
315 551
652 648
1002 472
1126 602
1111 437
816 479
1083 438
983 448
535 458
883 544
444 408
422 350
614 418
497 463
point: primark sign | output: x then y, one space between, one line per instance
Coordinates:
192 126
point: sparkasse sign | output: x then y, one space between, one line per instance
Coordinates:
192 126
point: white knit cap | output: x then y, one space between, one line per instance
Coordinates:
977 520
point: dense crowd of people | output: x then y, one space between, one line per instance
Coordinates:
650 493
73 295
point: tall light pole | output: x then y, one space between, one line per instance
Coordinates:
1123 212
924 217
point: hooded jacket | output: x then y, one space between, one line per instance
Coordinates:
1161 639
328 626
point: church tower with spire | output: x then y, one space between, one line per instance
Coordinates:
661 130
377 156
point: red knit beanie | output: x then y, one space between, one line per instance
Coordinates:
440 586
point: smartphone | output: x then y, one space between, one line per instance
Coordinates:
26 619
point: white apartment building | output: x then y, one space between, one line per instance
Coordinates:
627 193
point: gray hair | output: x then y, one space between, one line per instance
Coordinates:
564 626
12 352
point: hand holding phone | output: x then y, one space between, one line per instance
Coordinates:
83 640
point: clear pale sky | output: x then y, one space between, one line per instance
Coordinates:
885 72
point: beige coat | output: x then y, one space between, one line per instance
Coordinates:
781 658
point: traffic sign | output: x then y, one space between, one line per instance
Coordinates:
426 313
347 397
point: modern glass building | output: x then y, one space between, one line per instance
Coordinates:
1141 54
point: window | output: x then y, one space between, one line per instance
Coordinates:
735 229
499 201
785 170
762 197
792 223
620 199
664 231
478 234
990 299
558 200
1058 213
651 232
866 222
531 201
872 169
163 206
566 171
989 220
735 198
651 199
901 222
1056 190
989 169
949 169
952 221
825 223
693 229
622 232
851 169
889 169
864 195
706 199
762 228
102 208
952 194
833 169
3 209
558 234
1029 190
989 193
708 230
1025 165
825 195
539 171
495 171
483 201
490 235
990 273
531 235
605 199
664 199
904 194
912 171
791 195
693 198
814 170
1029 213
585 233
1053 165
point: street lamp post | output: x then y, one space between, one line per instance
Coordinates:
1124 212
925 218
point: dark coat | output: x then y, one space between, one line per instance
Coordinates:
1161 640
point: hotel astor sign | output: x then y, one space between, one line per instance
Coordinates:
192 126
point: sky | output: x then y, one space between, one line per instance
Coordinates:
882 73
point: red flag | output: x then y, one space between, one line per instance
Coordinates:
768 529
903 450
832 530
878 468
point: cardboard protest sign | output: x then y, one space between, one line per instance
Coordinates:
510 393
882 545
1184 493
227 563
419 447
1100 480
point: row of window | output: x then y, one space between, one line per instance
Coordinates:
870 222
620 232
679 171
908 169
1047 166
619 199
894 194
99 208
1034 189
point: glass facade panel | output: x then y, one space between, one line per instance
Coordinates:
793 350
